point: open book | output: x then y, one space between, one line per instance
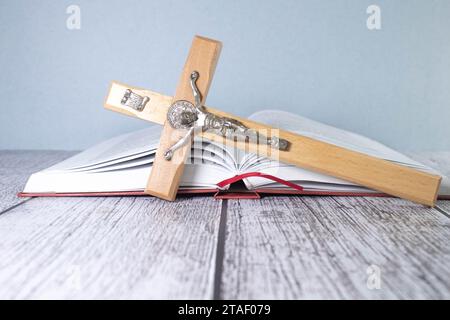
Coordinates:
122 165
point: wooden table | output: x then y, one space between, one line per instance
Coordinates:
201 248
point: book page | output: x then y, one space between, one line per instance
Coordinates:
118 149
123 163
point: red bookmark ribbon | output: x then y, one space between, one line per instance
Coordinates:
236 178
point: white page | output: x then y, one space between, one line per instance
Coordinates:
126 146
133 163
291 173
103 165
118 165
133 179
317 186
130 179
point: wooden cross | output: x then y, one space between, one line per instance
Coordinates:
304 152
165 175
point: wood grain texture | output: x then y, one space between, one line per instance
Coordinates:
16 167
445 206
321 247
317 156
165 176
109 248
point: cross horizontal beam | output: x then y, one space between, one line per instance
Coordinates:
304 152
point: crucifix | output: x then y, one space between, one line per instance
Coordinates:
185 115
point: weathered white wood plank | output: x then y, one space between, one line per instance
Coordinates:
134 247
16 167
278 247
444 205
321 247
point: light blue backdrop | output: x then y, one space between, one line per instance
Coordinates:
315 58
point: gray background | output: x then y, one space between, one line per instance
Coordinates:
314 58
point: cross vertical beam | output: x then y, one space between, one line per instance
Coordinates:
165 175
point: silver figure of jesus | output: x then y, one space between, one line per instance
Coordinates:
184 115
